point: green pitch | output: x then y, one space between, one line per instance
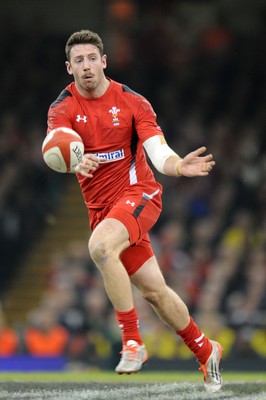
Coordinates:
99 385
142 386
147 377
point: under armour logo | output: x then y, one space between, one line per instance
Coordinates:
132 203
79 118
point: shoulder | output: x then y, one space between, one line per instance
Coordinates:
62 96
130 96
139 99
65 95
123 89
126 89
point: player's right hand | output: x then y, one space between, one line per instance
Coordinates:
88 165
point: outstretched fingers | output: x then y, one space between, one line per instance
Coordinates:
199 151
208 159
207 162
207 166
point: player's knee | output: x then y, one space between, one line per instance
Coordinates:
152 296
99 251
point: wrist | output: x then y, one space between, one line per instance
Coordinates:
177 167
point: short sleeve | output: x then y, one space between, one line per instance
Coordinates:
59 115
146 120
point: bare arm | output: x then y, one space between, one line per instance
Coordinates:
170 163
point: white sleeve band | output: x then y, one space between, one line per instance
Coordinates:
158 152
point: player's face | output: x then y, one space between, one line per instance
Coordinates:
87 67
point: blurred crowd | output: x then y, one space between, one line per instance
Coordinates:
206 80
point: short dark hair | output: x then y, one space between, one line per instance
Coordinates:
83 37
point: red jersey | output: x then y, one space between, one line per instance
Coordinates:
113 127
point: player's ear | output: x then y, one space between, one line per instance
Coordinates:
68 67
104 61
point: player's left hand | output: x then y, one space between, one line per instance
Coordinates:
193 164
88 165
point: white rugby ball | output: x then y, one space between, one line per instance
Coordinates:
62 149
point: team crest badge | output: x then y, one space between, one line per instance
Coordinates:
114 111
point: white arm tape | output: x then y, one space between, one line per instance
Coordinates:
158 152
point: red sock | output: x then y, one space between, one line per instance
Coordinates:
129 325
196 341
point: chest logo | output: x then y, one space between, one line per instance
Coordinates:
114 111
111 156
80 118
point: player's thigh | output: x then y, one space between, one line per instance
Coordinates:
134 256
149 277
138 210
109 235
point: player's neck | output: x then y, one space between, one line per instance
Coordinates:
96 92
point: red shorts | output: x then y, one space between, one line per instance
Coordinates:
138 209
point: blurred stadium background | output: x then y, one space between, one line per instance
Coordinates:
202 65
